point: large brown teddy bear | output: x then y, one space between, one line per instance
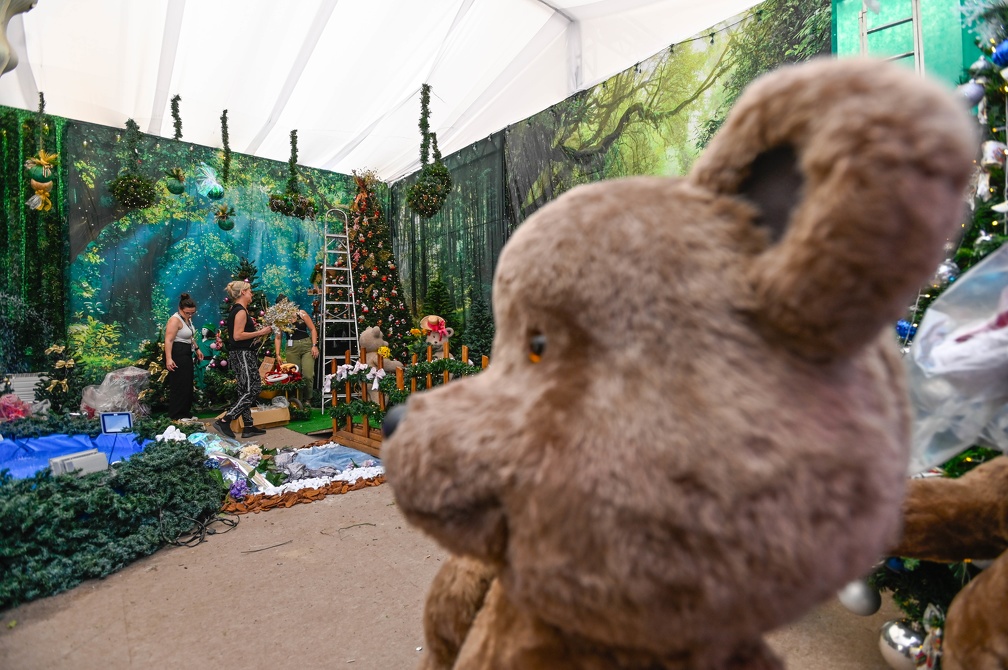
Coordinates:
663 498
955 520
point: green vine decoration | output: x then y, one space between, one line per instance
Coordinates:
292 176
176 118
40 122
225 138
427 195
291 202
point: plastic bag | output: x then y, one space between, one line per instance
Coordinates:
957 367
119 392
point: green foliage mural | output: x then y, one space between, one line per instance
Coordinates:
128 267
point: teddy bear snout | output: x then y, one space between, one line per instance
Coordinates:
392 419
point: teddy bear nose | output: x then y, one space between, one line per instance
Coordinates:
392 419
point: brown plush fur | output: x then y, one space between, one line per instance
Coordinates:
661 498
955 520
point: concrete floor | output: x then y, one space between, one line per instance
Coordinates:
335 583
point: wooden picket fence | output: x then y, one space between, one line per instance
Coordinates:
362 436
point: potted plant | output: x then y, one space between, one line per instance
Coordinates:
291 202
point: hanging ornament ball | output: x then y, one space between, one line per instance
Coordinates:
972 91
41 173
946 274
980 65
216 192
1000 55
860 597
41 186
905 329
176 187
899 642
225 224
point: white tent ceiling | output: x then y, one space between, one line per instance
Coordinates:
345 73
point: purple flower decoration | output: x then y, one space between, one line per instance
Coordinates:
239 489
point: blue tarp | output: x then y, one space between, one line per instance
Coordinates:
337 456
26 456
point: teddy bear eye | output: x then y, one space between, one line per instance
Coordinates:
537 346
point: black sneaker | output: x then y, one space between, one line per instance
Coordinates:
252 431
223 428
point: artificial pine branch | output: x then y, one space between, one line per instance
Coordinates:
39 120
292 177
424 123
226 169
176 118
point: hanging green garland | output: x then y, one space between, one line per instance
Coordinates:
427 195
226 167
42 166
132 190
291 202
176 118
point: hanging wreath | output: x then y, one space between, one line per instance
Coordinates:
133 191
427 195
129 189
291 202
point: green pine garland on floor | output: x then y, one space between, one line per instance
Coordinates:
59 531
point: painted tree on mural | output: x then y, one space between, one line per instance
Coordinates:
783 31
642 121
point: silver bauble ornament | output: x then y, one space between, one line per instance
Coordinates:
899 642
972 92
860 598
981 64
946 273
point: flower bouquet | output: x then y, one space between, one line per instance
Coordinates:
281 316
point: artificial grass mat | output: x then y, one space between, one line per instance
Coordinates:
318 422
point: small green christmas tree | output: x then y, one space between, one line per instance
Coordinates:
479 332
438 300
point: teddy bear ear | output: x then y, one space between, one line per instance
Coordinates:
857 169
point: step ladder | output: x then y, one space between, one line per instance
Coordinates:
339 309
887 40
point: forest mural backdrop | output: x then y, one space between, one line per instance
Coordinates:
90 262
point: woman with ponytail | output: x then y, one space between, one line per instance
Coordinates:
180 346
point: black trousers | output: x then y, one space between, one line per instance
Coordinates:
245 366
180 382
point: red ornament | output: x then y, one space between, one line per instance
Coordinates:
384 278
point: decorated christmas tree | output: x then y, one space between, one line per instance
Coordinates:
923 590
378 293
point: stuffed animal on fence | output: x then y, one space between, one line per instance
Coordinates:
437 333
666 459
952 520
371 339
